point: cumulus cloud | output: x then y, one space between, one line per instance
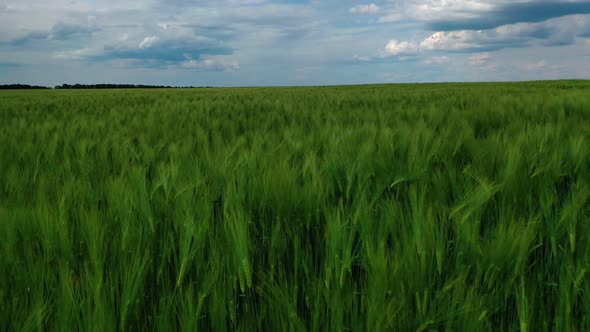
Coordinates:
554 32
448 15
171 50
395 47
430 10
153 58
370 9
528 12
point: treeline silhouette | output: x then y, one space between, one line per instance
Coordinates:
97 86
111 86
20 87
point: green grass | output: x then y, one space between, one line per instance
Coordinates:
458 207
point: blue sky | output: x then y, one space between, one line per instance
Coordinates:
291 42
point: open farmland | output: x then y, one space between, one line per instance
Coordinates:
459 207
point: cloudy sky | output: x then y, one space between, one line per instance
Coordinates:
291 42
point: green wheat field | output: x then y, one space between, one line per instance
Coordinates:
430 207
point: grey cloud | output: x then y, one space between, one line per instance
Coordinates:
4 65
238 12
214 31
246 23
60 31
513 13
35 35
279 15
555 32
206 3
162 53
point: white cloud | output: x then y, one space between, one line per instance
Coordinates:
370 9
149 42
429 10
395 47
246 2
479 59
554 32
452 40
532 66
435 9
455 15
362 58
392 17
76 54
211 64
437 60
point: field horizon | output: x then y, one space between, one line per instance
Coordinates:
123 86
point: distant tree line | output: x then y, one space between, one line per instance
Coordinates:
111 86
21 86
96 86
